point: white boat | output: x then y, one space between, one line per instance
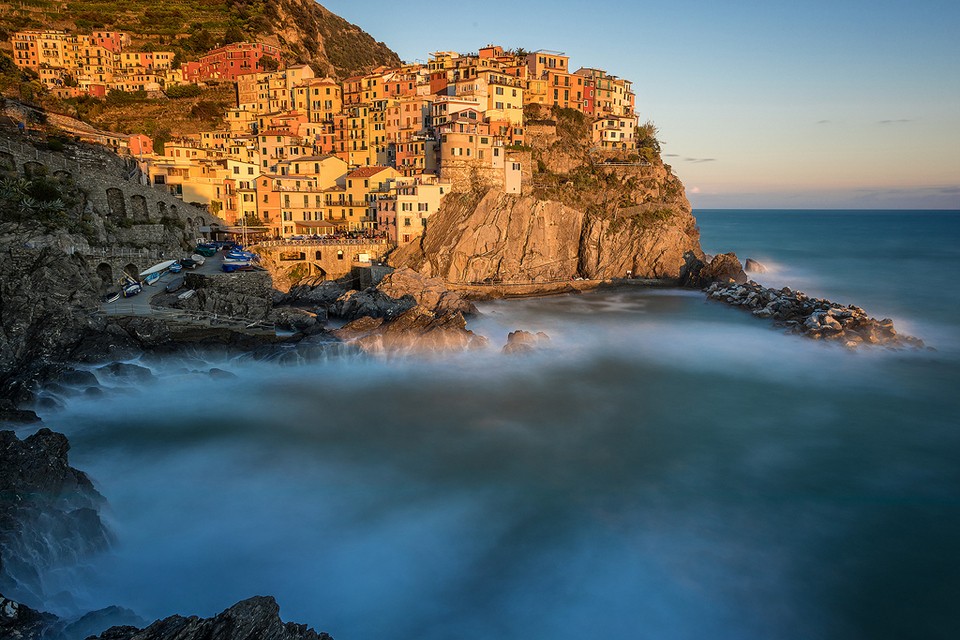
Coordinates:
189 293
199 259
158 269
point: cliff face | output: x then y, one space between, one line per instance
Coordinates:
583 215
71 223
48 513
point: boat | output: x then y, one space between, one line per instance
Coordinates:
199 259
238 260
157 269
230 267
175 284
176 267
241 254
111 296
131 289
188 263
206 251
189 293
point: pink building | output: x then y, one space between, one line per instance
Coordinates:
231 61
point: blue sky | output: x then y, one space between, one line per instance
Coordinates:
844 104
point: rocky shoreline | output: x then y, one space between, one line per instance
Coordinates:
814 318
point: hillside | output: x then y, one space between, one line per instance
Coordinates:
304 30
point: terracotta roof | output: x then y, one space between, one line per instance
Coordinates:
366 172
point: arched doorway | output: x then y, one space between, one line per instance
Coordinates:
105 273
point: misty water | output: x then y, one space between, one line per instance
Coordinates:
669 468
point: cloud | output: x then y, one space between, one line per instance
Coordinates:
671 155
823 121
698 160
694 189
899 121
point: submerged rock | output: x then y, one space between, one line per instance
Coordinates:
752 266
525 342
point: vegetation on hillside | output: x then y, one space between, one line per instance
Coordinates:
304 30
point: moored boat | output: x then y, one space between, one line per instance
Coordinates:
230 267
176 267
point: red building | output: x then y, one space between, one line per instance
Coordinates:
226 63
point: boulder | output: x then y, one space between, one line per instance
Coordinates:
415 331
370 303
525 342
430 293
752 266
724 267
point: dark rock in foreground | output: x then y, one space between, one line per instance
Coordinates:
814 318
257 618
48 513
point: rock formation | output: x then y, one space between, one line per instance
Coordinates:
48 513
814 318
723 268
525 342
415 331
752 266
255 618
581 215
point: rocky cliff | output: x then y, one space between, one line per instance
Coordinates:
584 214
49 514
71 223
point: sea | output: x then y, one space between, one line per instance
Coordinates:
667 467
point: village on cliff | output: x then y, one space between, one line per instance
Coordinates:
301 155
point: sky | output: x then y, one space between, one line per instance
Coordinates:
843 104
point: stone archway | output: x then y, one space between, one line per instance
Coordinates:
63 175
162 209
7 161
33 169
116 203
105 273
132 271
138 209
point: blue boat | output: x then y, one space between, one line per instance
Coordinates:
176 267
230 267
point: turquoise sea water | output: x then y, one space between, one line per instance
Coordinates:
669 468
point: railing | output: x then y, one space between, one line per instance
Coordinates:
51 160
321 241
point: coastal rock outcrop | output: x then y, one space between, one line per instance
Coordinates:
431 293
752 266
49 513
582 212
815 318
722 268
525 342
415 331
255 618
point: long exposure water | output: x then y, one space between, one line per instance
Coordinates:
669 468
